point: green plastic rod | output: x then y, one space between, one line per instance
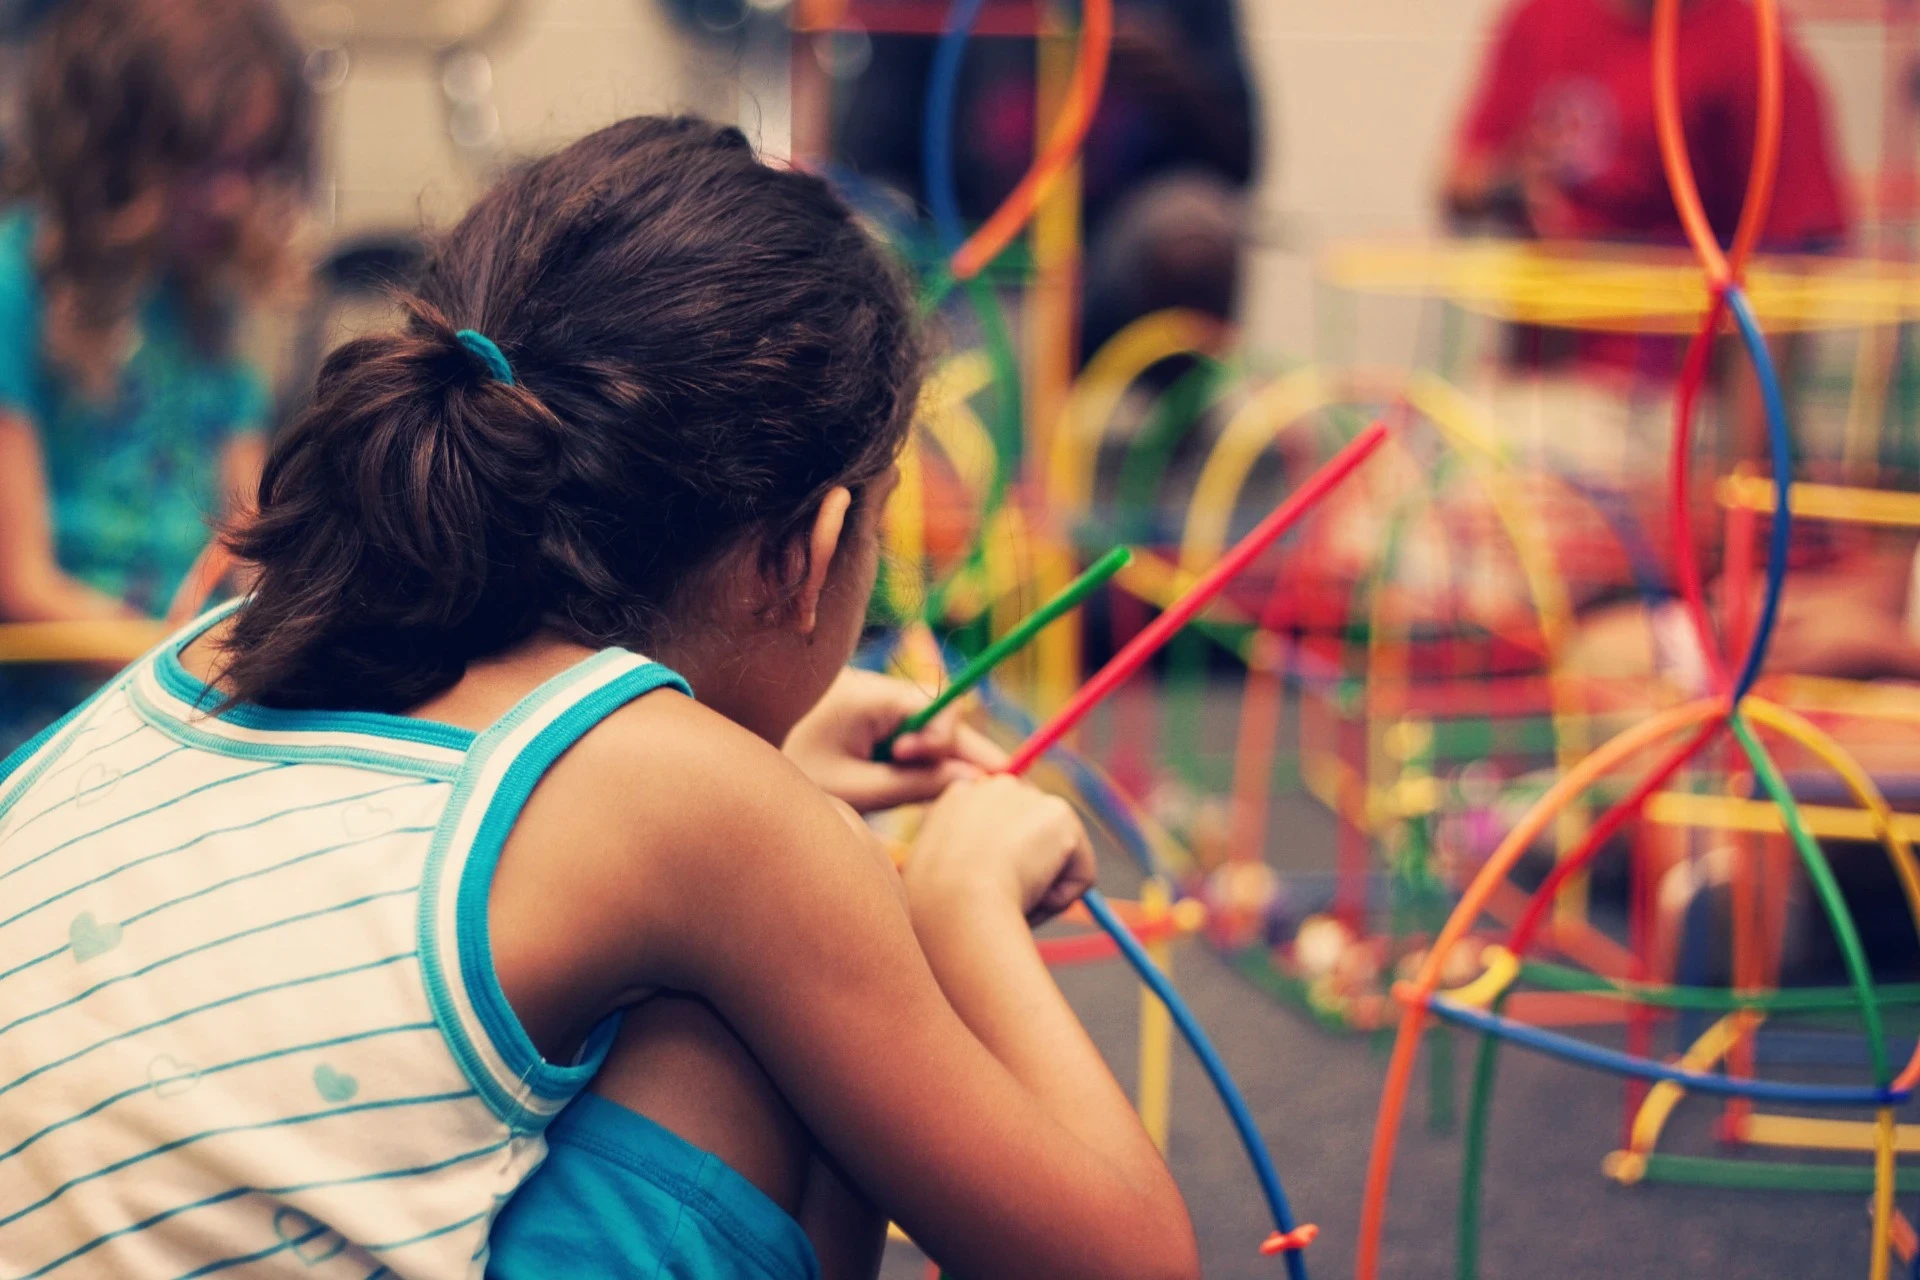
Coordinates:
994 654
1827 889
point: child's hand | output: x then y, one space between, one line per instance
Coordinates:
1004 840
833 745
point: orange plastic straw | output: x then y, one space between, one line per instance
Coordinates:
1721 270
1406 1044
1766 140
1069 132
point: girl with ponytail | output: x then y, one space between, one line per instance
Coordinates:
359 902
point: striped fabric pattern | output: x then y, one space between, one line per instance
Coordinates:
249 1023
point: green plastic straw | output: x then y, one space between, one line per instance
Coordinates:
1474 1153
994 654
1769 1175
1827 889
1661 995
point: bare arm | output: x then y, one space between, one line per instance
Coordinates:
1494 169
240 465
849 1234
952 1085
33 587
1474 175
959 1094
1848 619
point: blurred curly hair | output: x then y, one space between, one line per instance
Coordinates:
122 98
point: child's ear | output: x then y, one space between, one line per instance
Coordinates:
823 541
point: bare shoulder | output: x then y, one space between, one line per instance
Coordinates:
655 824
665 769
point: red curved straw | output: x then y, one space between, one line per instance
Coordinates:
1721 269
1492 875
1521 936
1162 629
1069 132
1686 572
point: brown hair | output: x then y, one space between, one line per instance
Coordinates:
702 347
121 96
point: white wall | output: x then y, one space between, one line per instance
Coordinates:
1360 97
562 68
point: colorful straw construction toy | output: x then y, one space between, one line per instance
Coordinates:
1288 1238
1372 741
1418 661
1732 709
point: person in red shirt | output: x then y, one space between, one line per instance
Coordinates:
1560 137
1560 143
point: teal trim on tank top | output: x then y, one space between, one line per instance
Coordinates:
412 766
182 684
25 751
506 1036
433 975
476 879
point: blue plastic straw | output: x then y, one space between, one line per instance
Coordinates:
1776 406
1580 1053
1216 1070
1157 982
943 85
936 143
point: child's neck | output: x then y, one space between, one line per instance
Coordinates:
738 680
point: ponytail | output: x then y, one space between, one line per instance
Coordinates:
701 347
401 513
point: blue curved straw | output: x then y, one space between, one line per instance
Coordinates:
936 143
1124 825
1580 1053
943 84
1776 406
1216 1070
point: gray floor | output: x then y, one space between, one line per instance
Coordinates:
1548 1211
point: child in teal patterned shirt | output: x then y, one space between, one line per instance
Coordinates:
167 148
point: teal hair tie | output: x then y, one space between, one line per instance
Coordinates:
483 346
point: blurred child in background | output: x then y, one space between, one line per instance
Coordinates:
1165 170
1560 140
166 152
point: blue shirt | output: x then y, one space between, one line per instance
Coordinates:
133 480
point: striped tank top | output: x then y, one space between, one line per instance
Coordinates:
249 1022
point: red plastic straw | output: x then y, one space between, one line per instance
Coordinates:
1686 571
1521 937
1162 629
